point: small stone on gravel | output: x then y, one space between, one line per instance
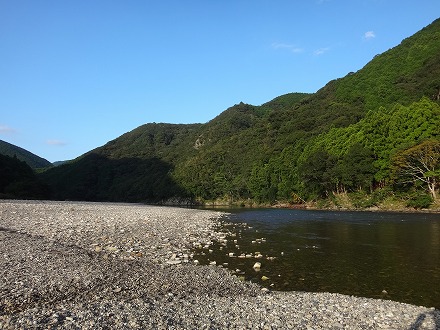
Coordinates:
77 265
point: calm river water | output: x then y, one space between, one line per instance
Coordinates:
370 254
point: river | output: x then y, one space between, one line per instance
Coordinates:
385 255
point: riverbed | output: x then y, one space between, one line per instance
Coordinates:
95 265
370 254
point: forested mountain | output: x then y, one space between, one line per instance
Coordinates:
18 180
135 167
349 137
31 159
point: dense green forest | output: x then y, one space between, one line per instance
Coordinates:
31 159
18 180
355 140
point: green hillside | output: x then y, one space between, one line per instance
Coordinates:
18 180
32 160
345 138
135 167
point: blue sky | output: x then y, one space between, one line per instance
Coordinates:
76 74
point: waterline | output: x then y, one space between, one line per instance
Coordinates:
379 255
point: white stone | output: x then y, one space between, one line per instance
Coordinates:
174 262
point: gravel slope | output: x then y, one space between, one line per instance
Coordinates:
119 266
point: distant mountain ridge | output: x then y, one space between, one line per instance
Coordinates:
265 153
31 159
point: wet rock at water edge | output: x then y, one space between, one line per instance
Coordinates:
257 266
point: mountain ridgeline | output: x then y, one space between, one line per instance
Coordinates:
347 138
29 158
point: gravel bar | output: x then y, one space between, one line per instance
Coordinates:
75 265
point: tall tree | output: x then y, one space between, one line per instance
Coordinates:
357 169
420 164
317 174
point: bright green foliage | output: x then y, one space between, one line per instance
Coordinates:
317 174
340 139
323 172
383 133
419 200
401 75
356 170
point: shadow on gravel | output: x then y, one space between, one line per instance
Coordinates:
8 230
422 317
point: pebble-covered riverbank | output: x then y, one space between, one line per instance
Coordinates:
118 266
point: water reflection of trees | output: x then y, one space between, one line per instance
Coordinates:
397 260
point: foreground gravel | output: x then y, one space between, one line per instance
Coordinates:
118 266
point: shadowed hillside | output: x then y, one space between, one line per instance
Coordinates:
32 160
97 178
18 180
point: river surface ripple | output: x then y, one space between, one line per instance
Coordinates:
385 255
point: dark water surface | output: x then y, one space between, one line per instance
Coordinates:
370 254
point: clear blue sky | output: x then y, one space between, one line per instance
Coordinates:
76 74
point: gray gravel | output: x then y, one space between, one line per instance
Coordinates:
124 266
